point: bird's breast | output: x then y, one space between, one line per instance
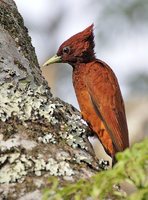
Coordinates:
84 99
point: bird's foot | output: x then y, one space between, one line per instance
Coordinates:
104 164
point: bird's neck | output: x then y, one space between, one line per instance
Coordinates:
79 71
80 66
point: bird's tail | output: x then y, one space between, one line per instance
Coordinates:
114 160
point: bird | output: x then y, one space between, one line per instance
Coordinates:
97 90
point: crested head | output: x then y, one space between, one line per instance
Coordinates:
79 48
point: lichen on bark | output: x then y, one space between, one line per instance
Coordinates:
40 136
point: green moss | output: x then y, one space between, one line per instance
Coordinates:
132 168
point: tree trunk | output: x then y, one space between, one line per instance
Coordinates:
40 136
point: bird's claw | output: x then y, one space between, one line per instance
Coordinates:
104 164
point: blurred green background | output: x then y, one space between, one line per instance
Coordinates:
121 36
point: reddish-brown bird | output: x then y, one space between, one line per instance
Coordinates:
97 90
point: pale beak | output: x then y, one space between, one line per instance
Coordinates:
54 59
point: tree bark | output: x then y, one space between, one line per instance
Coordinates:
40 136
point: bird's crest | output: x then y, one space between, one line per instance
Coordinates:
88 32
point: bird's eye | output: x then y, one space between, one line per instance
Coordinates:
66 50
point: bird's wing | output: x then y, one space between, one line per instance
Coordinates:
108 103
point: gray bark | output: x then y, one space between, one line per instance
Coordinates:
40 136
